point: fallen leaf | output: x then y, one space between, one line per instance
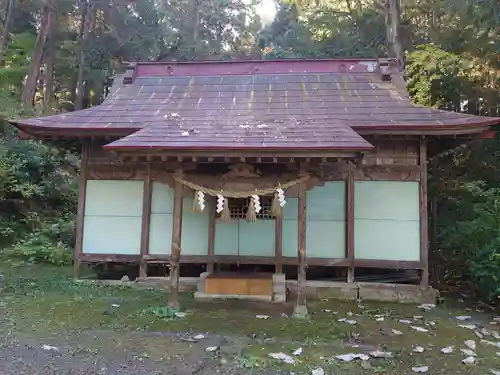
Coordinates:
262 316
318 371
380 354
426 306
211 349
396 332
297 351
492 343
420 369
282 357
381 319
468 352
468 326
419 329
471 344
418 349
463 317
115 305
50 348
199 337
405 321
352 356
326 310
418 317
469 360
180 314
447 350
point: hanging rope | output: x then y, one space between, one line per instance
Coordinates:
241 194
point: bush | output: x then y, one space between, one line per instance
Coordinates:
469 241
51 243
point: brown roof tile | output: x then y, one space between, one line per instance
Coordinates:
315 101
291 135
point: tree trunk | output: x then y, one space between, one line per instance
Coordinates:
84 33
36 61
48 94
395 22
6 28
392 22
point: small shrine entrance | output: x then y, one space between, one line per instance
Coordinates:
240 237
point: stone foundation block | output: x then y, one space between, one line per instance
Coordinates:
416 294
341 291
201 282
378 292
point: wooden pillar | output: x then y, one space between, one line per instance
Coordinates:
80 214
301 307
424 224
278 244
175 255
211 234
350 221
146 222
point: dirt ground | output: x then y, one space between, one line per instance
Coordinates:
50 324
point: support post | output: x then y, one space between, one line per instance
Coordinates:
146 222
278 244
175 254
80 214
301 306
211 234
350 221
424 224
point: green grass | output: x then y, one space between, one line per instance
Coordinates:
44 302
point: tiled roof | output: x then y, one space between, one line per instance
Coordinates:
291 135
310 103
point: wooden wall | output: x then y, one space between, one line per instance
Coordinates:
375 217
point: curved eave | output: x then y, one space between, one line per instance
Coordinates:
61 130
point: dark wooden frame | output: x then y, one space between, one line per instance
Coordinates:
413 169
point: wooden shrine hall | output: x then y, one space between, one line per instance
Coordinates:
288 164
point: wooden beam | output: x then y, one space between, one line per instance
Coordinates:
278 243
173 300
211 234
424 224
301 306
350 222
146 222
80 211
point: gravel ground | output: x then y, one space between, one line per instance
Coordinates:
104 353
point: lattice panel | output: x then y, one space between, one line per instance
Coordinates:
238 208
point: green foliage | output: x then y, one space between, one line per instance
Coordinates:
470 247
51 243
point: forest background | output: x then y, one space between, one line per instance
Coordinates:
57 55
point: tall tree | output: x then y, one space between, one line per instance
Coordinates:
6 29
36 58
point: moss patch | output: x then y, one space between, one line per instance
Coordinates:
45 302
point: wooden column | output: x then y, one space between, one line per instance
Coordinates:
278 243
424 224
146 222
301 307
175 255
80 213
211 234
350 222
